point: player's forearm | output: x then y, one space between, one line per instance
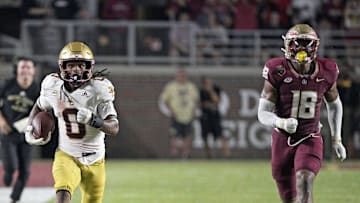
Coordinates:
35 110
2 118
335 113
265 114
110 126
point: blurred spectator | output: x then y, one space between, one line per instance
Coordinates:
151 43
181 98
211 40
17 96
117 9
352 14
350 98
108 39
269 15
9 11
334 11
65 9
196 6
210 120
89 9
225 12
180 37
283 6
33 9
245 15
176 8
352 25
207 10
304 11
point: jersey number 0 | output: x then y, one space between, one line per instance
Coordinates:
73 128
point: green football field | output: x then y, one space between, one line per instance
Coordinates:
197 181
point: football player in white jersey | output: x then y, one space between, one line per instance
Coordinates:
83 105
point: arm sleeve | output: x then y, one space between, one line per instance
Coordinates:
266 115
335 113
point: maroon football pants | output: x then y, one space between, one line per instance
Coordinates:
286 160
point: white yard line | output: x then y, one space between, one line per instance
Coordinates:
30 195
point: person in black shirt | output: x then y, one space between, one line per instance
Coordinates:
210 96
17 96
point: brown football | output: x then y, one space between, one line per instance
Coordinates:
43 123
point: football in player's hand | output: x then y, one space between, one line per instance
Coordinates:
43 123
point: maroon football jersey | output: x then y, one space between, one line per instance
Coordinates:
300 96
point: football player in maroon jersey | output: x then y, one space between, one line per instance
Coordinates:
294 88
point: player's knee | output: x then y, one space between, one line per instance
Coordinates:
304 181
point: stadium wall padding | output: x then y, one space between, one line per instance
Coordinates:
144 130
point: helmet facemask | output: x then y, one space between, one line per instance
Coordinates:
82 60
301 44
76 76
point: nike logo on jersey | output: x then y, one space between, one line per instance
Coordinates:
319 79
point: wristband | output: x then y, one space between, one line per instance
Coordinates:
96 122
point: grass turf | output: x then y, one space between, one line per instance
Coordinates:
141 181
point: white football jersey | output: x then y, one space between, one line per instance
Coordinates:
78 139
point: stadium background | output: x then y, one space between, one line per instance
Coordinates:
227 40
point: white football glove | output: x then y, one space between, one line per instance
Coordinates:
287 124
83 115
339 150
29 137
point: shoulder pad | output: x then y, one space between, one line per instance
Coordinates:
50 81
274 67
104 88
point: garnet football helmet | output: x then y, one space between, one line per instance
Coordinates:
301 44
76 52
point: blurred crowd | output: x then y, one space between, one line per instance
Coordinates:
224 14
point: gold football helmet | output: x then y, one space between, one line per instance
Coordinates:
76 52
301 44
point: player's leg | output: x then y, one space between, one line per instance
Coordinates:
24 163
67 175
308 160
93 182
304 186
186 133
9 160
282 161
174 139
205 128
217 132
